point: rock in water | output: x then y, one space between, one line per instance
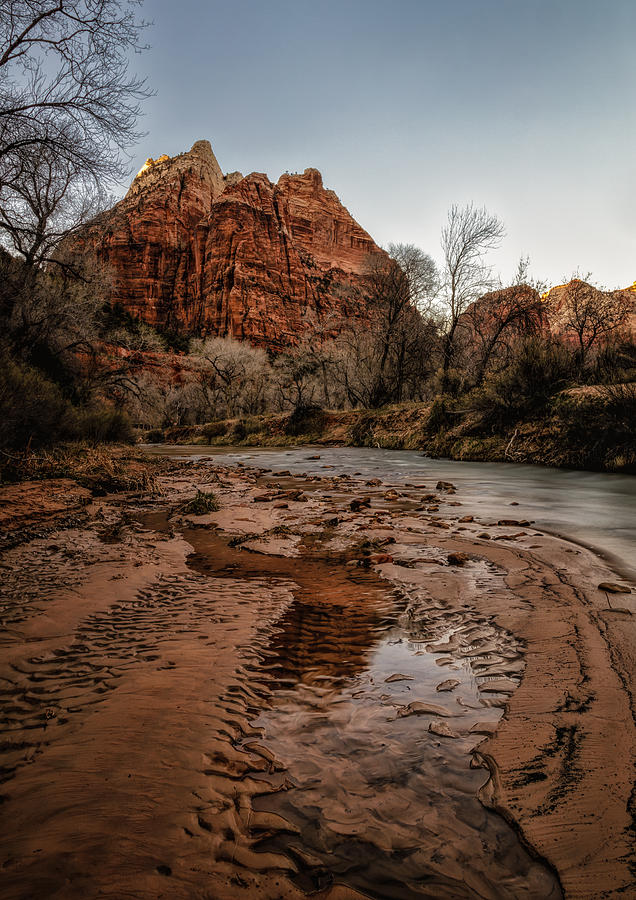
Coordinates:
449 685
611 587
442 730
420 708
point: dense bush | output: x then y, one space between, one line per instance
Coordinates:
214 430
600 425
239 431
155 436
537 372
305 419
175 340
33 410
104 425
438 416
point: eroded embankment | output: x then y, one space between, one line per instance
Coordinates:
277 719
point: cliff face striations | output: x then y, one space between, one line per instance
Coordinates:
194 250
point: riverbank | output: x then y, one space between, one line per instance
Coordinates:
160 667
580 430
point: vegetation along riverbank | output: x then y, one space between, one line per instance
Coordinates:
584 428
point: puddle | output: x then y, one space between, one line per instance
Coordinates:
356 792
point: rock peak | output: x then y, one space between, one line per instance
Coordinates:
314 176
195 251
203 148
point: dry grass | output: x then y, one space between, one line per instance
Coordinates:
102 468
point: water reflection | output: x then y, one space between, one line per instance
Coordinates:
368 798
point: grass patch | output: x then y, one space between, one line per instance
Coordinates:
201 504
102 468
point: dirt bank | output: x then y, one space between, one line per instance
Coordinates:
285 695
577 430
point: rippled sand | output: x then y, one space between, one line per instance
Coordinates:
186 718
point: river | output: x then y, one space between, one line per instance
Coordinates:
591 508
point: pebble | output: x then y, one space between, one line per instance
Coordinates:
442 730
449 685
611 587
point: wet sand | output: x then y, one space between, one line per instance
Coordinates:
288 697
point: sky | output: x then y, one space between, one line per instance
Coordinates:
524 106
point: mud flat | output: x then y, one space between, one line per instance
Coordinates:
327 687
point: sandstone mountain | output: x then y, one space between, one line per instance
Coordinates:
206 254
562 312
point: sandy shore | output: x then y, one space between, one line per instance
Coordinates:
185 697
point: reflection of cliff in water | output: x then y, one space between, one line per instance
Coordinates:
314 644
374 800
326 634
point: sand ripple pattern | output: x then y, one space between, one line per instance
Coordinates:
254 705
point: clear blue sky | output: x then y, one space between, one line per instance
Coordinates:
525 106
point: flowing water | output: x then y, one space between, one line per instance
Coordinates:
596 509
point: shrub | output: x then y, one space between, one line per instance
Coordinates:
175 340
361 433
104 425
33 410
305 419
452 382
438 416
239 431
538 371
214 429
244 427
201 504
601 426
155 436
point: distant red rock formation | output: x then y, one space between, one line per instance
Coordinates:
559 312
578 304
207 254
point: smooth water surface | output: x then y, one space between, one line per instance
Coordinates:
593 508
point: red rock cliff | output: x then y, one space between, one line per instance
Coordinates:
193 250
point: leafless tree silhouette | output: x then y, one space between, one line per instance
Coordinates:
69 107
469 233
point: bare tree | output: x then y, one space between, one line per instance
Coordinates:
65 82
391 350
56 309
68 112
297 378
468 235
420 272
493 324
50 197
591 316
236 374
522 276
